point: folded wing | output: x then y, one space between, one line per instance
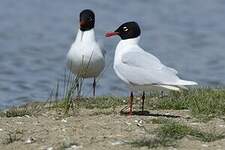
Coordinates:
142 68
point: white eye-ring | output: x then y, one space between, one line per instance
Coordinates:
125 29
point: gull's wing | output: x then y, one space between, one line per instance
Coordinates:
140 58
141 68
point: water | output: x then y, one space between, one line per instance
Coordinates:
35 36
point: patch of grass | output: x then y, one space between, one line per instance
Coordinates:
153 143
103 112
103 102
171 131
204 103
159 120
30 109
174 130
206 137
17 112
64 94
13 136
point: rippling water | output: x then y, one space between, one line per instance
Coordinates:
35 36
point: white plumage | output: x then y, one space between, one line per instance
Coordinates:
142 70
85 58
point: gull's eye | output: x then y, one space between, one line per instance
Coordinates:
125 29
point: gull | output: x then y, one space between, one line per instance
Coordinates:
85 58
139 69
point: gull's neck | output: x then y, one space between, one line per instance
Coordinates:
85 36
123 47
131 41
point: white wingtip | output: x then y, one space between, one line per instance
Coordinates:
170 87
185 82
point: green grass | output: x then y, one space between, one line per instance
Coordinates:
204 103
17 112
152 143
103 102
13 136
64 94
175 130
160 120
170 131
30 109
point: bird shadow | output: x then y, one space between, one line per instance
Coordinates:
147 113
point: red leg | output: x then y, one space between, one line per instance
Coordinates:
131 102
143 101
94 85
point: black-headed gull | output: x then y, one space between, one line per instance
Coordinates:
85 58
139 69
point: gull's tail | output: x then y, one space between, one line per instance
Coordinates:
170 87
185 82
179 85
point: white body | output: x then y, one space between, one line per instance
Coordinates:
85 58
143 71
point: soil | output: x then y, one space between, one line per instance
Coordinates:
94 129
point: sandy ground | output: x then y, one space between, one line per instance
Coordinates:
95 130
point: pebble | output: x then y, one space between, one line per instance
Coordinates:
74 147
50 148
1 129
27 116
128 123
117 143
204 145
64 120
221 125
194 123
139 123
30 140
19 123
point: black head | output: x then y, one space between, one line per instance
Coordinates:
126 31
87 20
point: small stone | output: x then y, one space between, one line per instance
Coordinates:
30 140
74 147
117 143
140 123
221 125
64 120
187 117
1 129
204 145
27 116
50 148
128 123
194 123
19 123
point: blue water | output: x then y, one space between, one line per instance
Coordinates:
35 36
